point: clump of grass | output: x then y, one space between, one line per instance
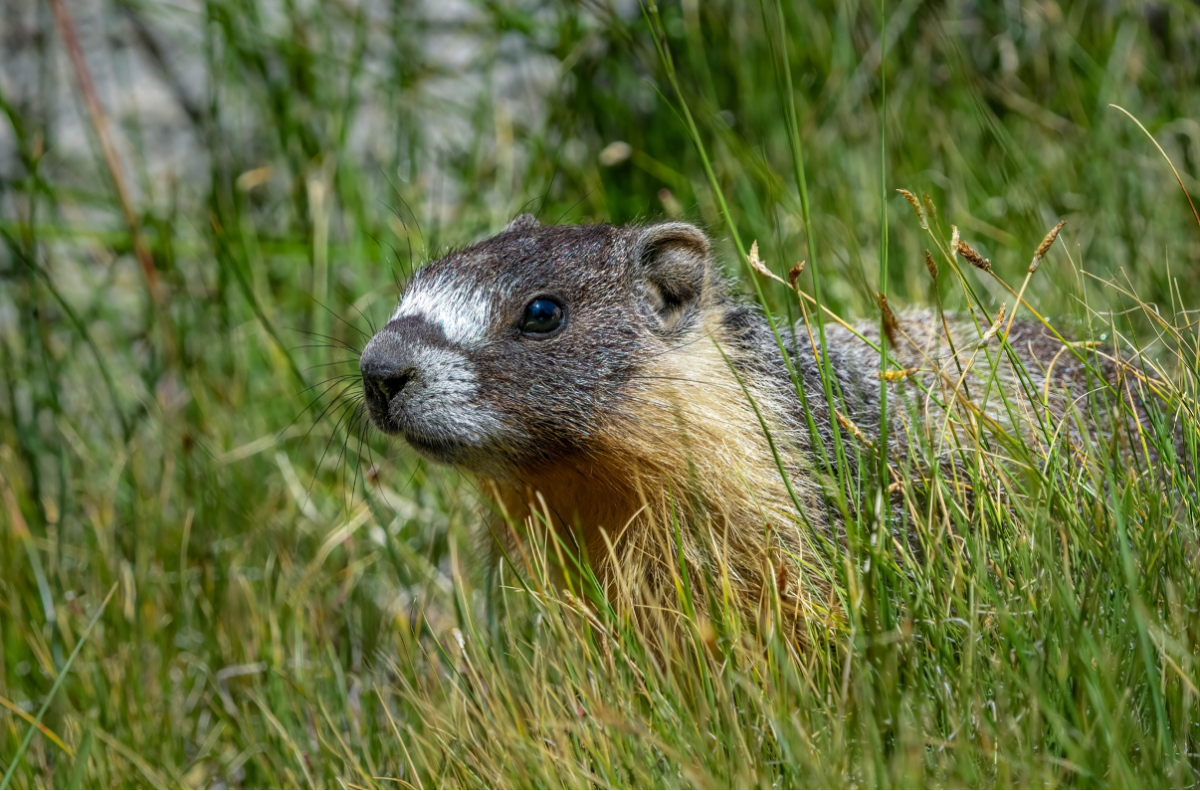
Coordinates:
296 608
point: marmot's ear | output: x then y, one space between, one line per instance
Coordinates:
521 223
673 262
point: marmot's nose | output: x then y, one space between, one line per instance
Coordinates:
383 379
389 386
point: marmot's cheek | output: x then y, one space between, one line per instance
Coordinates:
441 404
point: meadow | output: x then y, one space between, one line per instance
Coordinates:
213 574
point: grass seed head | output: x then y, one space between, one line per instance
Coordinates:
890 325
850 426
953 240
916 204
897 374
992 330
1045 246
968 252
931 265
757 264
929 206
794 274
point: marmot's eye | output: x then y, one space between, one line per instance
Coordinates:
541 317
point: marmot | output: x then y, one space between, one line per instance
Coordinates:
604 380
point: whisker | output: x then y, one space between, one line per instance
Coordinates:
320 461
366 318
339 378
335 315
337 401
346 361
568 211
336 381
546 194
336 342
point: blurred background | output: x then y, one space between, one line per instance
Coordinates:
177 354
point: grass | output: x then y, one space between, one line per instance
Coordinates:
296 607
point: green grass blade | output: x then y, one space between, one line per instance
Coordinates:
62 674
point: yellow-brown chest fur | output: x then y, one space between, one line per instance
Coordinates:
686 465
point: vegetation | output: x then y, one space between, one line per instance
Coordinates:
295 602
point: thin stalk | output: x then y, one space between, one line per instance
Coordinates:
797 147
655 22
883 247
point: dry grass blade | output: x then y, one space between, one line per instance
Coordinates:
100 122
1164 153
41 726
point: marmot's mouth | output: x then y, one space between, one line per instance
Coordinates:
430 444
442 449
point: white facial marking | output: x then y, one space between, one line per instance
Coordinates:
463 314
445 399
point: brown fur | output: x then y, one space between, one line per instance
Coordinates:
661 428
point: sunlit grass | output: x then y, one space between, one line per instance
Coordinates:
296 608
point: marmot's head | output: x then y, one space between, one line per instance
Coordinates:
520 349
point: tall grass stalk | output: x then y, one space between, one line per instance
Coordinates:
299 603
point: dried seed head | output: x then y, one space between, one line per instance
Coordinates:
794 275
890 325
968 252
916 204
929 206
1045 246
992 330
954 240
758 266
987 335
897 374
849 425
931 265
781 579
